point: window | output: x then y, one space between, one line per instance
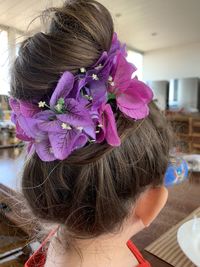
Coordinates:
4 63
137 59
175 90
173 93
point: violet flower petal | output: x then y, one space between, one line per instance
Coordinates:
136 113
20 134
79 84
15 106
64 144
112 136
28 125
45 115
30 128
28 109
44 150
31 148
53 126
63 88
109 126
115 45
122 74
134 101
101 60
90 131
98 92
48 122
100 137
13 117
143 90
80 141
76 115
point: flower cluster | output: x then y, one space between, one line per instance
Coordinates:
82 107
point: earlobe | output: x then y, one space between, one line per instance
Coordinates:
150 204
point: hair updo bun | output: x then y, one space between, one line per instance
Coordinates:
91 192
76 36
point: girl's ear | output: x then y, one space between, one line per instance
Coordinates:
150 204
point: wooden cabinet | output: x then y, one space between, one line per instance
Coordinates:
187 130
16 229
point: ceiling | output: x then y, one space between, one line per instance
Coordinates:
144 25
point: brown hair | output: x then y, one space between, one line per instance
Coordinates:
90 192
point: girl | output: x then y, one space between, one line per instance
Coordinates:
98 146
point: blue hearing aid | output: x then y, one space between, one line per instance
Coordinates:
176 172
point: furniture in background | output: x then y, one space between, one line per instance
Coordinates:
7 128
187 130
17 225
4 108
184 94
177 94
17 229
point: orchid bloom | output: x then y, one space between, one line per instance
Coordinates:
108 126
132 95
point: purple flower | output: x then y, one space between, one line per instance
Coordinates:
134 101
63 88
132 95
100 71
79 110
44 150
76 117
27 130
54 135
108 130
61 139
117 46
68 124
20 111
15 106
63 144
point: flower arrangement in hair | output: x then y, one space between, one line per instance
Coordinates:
83 107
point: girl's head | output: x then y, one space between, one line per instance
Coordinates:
93 190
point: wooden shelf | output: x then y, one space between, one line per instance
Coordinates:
196 135
182 135
196 124
196 145
187 130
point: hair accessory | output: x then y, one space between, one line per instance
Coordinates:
177 171
82 107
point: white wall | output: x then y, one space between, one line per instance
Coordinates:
176 62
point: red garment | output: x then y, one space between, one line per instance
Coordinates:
39 257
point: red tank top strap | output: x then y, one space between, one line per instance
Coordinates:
137 254
52 232
39 256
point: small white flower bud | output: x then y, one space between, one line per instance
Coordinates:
82 70
41 104
95 77
66 126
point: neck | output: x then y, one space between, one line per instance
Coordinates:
106 250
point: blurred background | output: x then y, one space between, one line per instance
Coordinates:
163 42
